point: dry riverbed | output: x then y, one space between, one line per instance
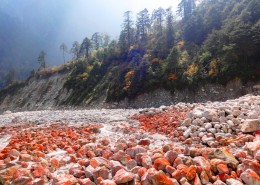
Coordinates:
211 143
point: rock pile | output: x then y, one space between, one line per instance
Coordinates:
213 143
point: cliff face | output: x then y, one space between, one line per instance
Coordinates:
49 93
36 93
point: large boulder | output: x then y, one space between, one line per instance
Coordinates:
251 125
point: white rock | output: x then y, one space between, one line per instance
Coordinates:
187 133
207 125
251 125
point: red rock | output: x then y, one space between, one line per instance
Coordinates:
161 179
191 173
142 171
102 172
121 156
55 163
65 179
89 172
135 169
169 169
38 181
107 182
22 180
179 173
40 171
197 180
214 163
144 142
201 161
135 150
222 168
122 176
250 177
171 156
177 162
105 142
248 164
25 157
14 152
161 163
98 161
77 171
219 182
86 181
146 161
232 181
131 164
204 177
115 166
84 162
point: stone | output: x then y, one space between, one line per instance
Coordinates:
161 163
171 156
219 182
232 181
122 176
64 179
250 177
146 161
160 178
222 168
86 181
205 165
250 125
22 180
197 180
107 182
208 126
131 164
186 122
101 172
135 150
191 172
224 154
187 133
253 147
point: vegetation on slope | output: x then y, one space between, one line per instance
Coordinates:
216 41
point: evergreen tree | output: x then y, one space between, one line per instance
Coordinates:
41 60
169 28
185 8
158 18
75 49
85 47
64 50
96 40
143 24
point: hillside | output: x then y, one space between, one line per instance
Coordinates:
213 49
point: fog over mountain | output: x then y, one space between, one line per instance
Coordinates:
29 26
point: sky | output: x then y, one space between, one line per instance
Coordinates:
88 16
53 22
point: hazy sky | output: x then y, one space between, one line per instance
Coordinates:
88 16
52 22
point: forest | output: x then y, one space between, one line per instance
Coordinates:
211 41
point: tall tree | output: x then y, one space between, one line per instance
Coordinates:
169 28
96 40
185 8
85 47
41 60
143 24
75 49
64 50
128 28
106 40
158 18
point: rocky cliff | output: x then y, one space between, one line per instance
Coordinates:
40 92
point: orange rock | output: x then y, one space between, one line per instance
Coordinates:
161 179
222 168
38 181
25 157
161 163
54 163
191 173
122 176
65 179
22 180
142 171
39 172
204 177
178 174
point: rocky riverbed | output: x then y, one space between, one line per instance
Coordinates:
204 143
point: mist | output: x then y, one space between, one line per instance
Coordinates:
30 26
